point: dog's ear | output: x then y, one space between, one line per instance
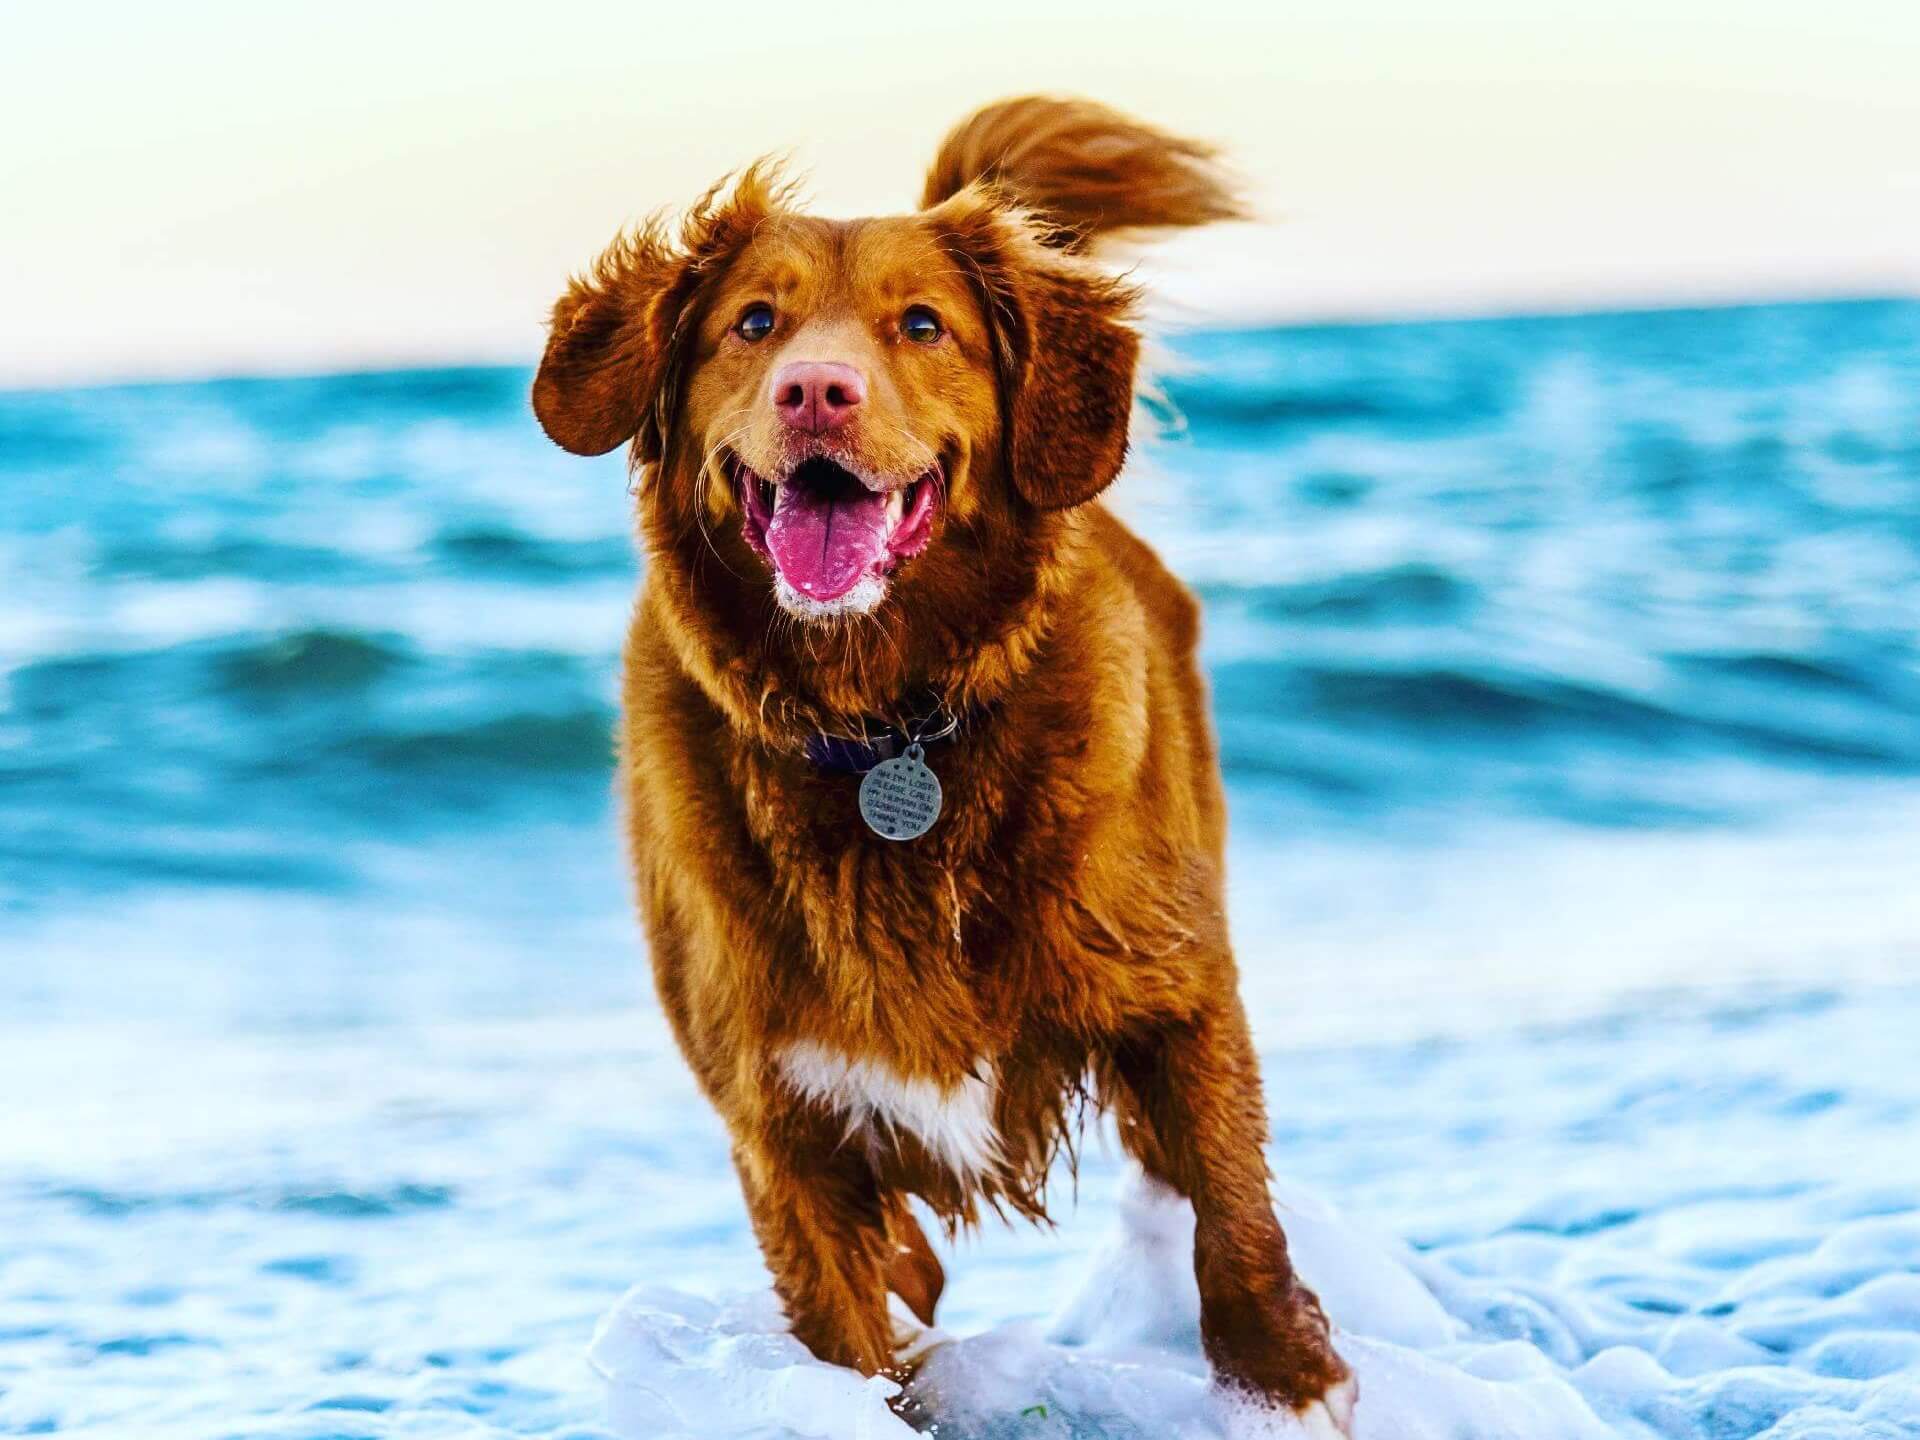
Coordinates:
1073 396
620 331
1065 349
608 348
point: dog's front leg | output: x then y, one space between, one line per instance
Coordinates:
821 1219
1193 1114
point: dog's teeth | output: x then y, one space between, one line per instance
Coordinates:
896 506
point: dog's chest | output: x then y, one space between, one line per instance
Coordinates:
953 1122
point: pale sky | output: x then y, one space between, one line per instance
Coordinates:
220 188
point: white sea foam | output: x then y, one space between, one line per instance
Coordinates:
1122 1360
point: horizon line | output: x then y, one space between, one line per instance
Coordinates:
1157 322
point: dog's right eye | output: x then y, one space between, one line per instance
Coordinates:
920 325
756 323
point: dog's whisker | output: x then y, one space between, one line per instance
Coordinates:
726 442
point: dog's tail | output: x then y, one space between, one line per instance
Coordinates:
1089 170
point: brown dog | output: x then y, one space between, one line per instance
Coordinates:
869 454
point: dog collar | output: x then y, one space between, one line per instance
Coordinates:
878 742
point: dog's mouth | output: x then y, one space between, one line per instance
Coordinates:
825 529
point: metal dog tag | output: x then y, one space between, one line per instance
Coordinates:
900 798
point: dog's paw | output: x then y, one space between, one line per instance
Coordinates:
1331 1416
1244 1416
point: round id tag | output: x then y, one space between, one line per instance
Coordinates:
900 798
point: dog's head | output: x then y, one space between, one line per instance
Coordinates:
842 393
892 418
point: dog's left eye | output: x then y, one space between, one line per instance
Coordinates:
756 323
920 325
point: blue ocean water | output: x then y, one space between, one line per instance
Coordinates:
1569 692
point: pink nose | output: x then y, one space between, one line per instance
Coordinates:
817 395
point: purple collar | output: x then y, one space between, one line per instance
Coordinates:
879 741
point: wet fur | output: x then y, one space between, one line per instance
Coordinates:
1058 936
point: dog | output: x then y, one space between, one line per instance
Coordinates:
925 817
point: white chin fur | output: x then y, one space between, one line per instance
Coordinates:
862 599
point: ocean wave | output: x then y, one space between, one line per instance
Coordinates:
503 552
306 661
1443 704
337 1202
1627 570
248 557
529 743
1412 591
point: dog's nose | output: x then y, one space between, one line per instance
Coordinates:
817 395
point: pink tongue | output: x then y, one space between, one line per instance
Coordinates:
823 546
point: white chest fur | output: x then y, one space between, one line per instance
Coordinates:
954 1122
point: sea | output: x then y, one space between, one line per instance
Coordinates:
1567 677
